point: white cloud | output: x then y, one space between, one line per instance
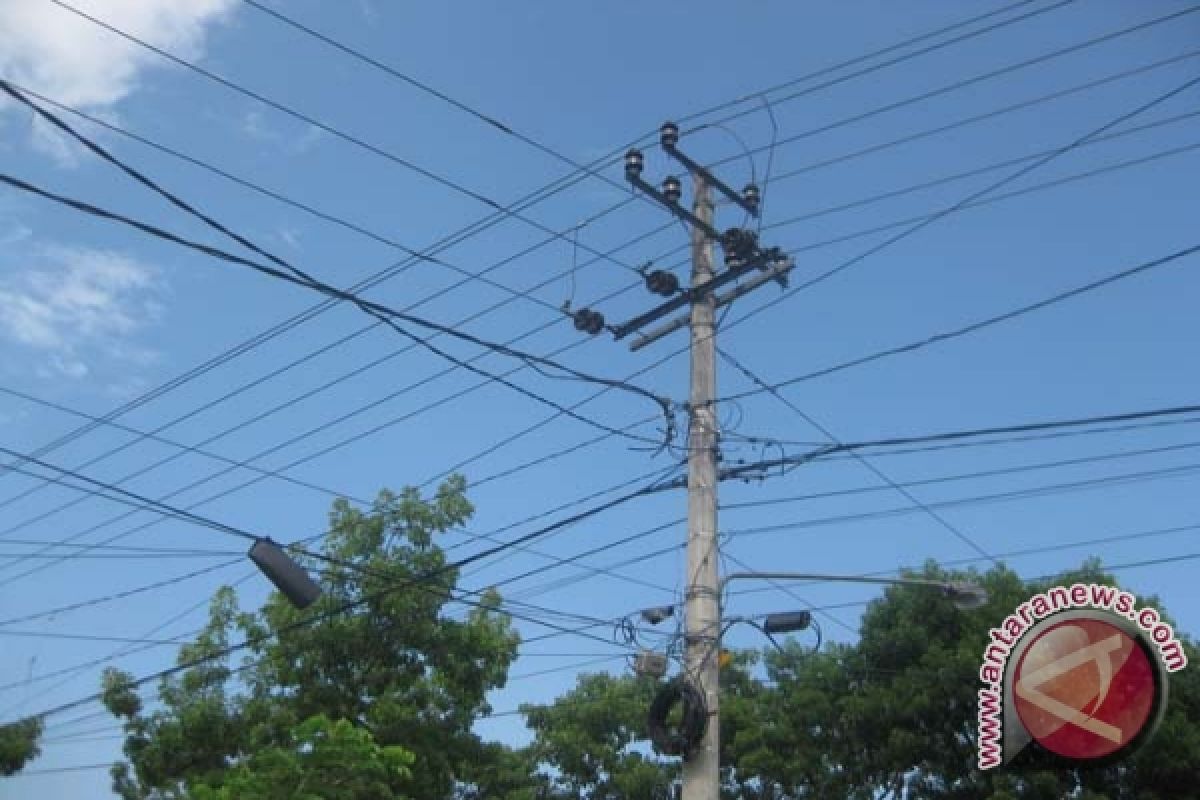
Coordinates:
75 61
254 126
76 303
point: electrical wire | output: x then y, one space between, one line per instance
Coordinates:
376 63
1044 490
362 144
293 274
971 120
883 65
972 81
98 601
955 530
536 196
982 324
182 448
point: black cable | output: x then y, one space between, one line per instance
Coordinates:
183 448
970 120
96 601
957 531
144 503
384 313
905 348
1044 490
275 409
958 176
295 275
172 151
867 56
974 327
1017 469
683 738
462 235
945 436
966 82
508 211
487 119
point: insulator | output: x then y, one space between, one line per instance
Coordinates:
662 282
669 134
751 195
672 189
634 163
588 321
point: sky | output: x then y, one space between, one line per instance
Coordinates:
94 316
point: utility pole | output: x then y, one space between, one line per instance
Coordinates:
702 771
743 256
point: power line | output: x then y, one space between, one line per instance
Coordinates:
144 503
474 228
382 312
487 119
921 222
987 322
601 438
966 82
970 120
294 275
1018 494
185 156
971 433
96 601
183 448
971 173
455 186
884 51
936 517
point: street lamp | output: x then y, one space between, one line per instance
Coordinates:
965 596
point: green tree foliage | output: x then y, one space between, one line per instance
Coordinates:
893 715
19 744
377 702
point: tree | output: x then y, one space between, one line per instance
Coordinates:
19 744
587 737
348 702
893 714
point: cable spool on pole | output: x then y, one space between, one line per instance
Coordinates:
683 738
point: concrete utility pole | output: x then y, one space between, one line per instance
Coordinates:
701 773
743 256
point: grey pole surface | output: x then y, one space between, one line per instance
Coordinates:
702 770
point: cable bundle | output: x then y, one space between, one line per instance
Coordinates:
683 739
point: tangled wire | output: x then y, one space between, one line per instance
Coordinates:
681 739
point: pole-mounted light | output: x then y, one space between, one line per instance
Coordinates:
288 576
787 622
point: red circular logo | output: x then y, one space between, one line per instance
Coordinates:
1084 689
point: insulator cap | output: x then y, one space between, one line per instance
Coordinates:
669 135
751 195
672 189
588 321
662 283
634 162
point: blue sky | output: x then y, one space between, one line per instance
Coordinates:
91 315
